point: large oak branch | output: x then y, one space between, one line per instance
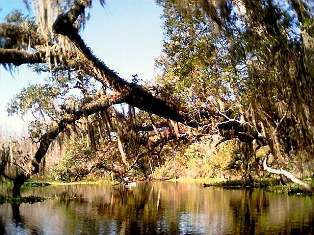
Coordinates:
19 57
138 96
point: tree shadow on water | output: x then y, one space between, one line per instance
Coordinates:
18 221
244 216
21 221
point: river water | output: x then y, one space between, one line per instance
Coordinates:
157 208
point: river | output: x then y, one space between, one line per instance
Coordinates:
157 208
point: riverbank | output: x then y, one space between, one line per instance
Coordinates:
40 183
268 184
6 186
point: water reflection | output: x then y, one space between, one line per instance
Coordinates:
158 208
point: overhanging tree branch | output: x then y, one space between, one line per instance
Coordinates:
287 174
130 93
138 96
20 36
69 118
19 57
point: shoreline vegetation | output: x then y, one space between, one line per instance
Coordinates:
271 185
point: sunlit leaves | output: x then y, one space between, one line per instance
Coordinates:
260 56
18 32
38 99
194 55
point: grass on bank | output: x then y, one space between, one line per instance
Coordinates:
269 184
19 200
43 182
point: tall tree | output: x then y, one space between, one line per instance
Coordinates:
256 56
224 52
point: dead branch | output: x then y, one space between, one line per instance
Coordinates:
289 175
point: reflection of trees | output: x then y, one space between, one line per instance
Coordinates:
2 227
16 216
20 222
245 209
261 212
157 208
128 211
164 208
147 209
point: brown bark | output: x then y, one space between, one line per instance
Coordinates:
17 184
122 152
19 57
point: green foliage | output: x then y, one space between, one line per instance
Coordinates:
253 56
192 59
199 159
290 188
308 26
19 200
19 32
16 17
73 164
37 98
35 184
5 183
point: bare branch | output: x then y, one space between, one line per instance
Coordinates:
289 175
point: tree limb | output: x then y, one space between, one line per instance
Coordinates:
87 109
138 96
289 175
19 57
19 36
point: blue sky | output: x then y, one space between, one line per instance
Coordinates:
126 35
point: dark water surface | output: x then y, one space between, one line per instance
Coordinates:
158 208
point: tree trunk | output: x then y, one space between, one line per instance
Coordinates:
17 184
122 152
